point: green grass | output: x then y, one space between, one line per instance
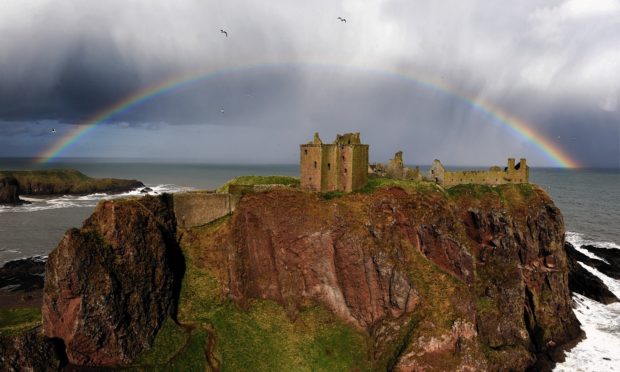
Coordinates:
259 180
175 349
15 320
169 341
478 190
473 189
48 176
264 338
192 357
377 183
332 194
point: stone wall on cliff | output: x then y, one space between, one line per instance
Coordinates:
197 208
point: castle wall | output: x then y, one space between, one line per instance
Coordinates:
311 166
196 208
359 167
345 173
495 176
479 177
329 172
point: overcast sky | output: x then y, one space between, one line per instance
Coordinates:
289 68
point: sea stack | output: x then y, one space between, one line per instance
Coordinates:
9 191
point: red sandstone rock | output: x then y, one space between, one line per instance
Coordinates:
355 256
110 285
436 282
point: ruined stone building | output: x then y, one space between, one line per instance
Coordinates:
494 176
395 169
339 166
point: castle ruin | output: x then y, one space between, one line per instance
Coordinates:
339 166
395 169
519 173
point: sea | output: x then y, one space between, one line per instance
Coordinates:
588 198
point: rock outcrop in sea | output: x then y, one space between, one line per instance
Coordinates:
585 283
471 279
9 191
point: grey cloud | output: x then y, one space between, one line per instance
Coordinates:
554 63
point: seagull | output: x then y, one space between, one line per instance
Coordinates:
53 130
222 111
342 19
224 32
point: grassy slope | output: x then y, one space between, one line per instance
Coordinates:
16 320
261 337
259 180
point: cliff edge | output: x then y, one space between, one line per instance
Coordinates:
400 278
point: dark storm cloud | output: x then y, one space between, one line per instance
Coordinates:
92 74
554 63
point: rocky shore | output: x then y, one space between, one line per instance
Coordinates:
21 282
400 278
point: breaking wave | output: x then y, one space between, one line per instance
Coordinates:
600 322
77 201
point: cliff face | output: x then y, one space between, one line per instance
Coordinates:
472 279
475 280
110 285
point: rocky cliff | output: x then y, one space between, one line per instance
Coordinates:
110 285
405 279
9 191
66 181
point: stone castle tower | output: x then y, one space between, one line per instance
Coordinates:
339 166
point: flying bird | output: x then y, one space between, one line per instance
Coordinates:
224 32
222 111
53 130
342 19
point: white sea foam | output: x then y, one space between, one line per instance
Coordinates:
83 201
601 323
578 240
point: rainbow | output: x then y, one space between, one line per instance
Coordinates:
517 126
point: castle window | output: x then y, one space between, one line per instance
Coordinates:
345 170
315 164
342 157
329 166
305 152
